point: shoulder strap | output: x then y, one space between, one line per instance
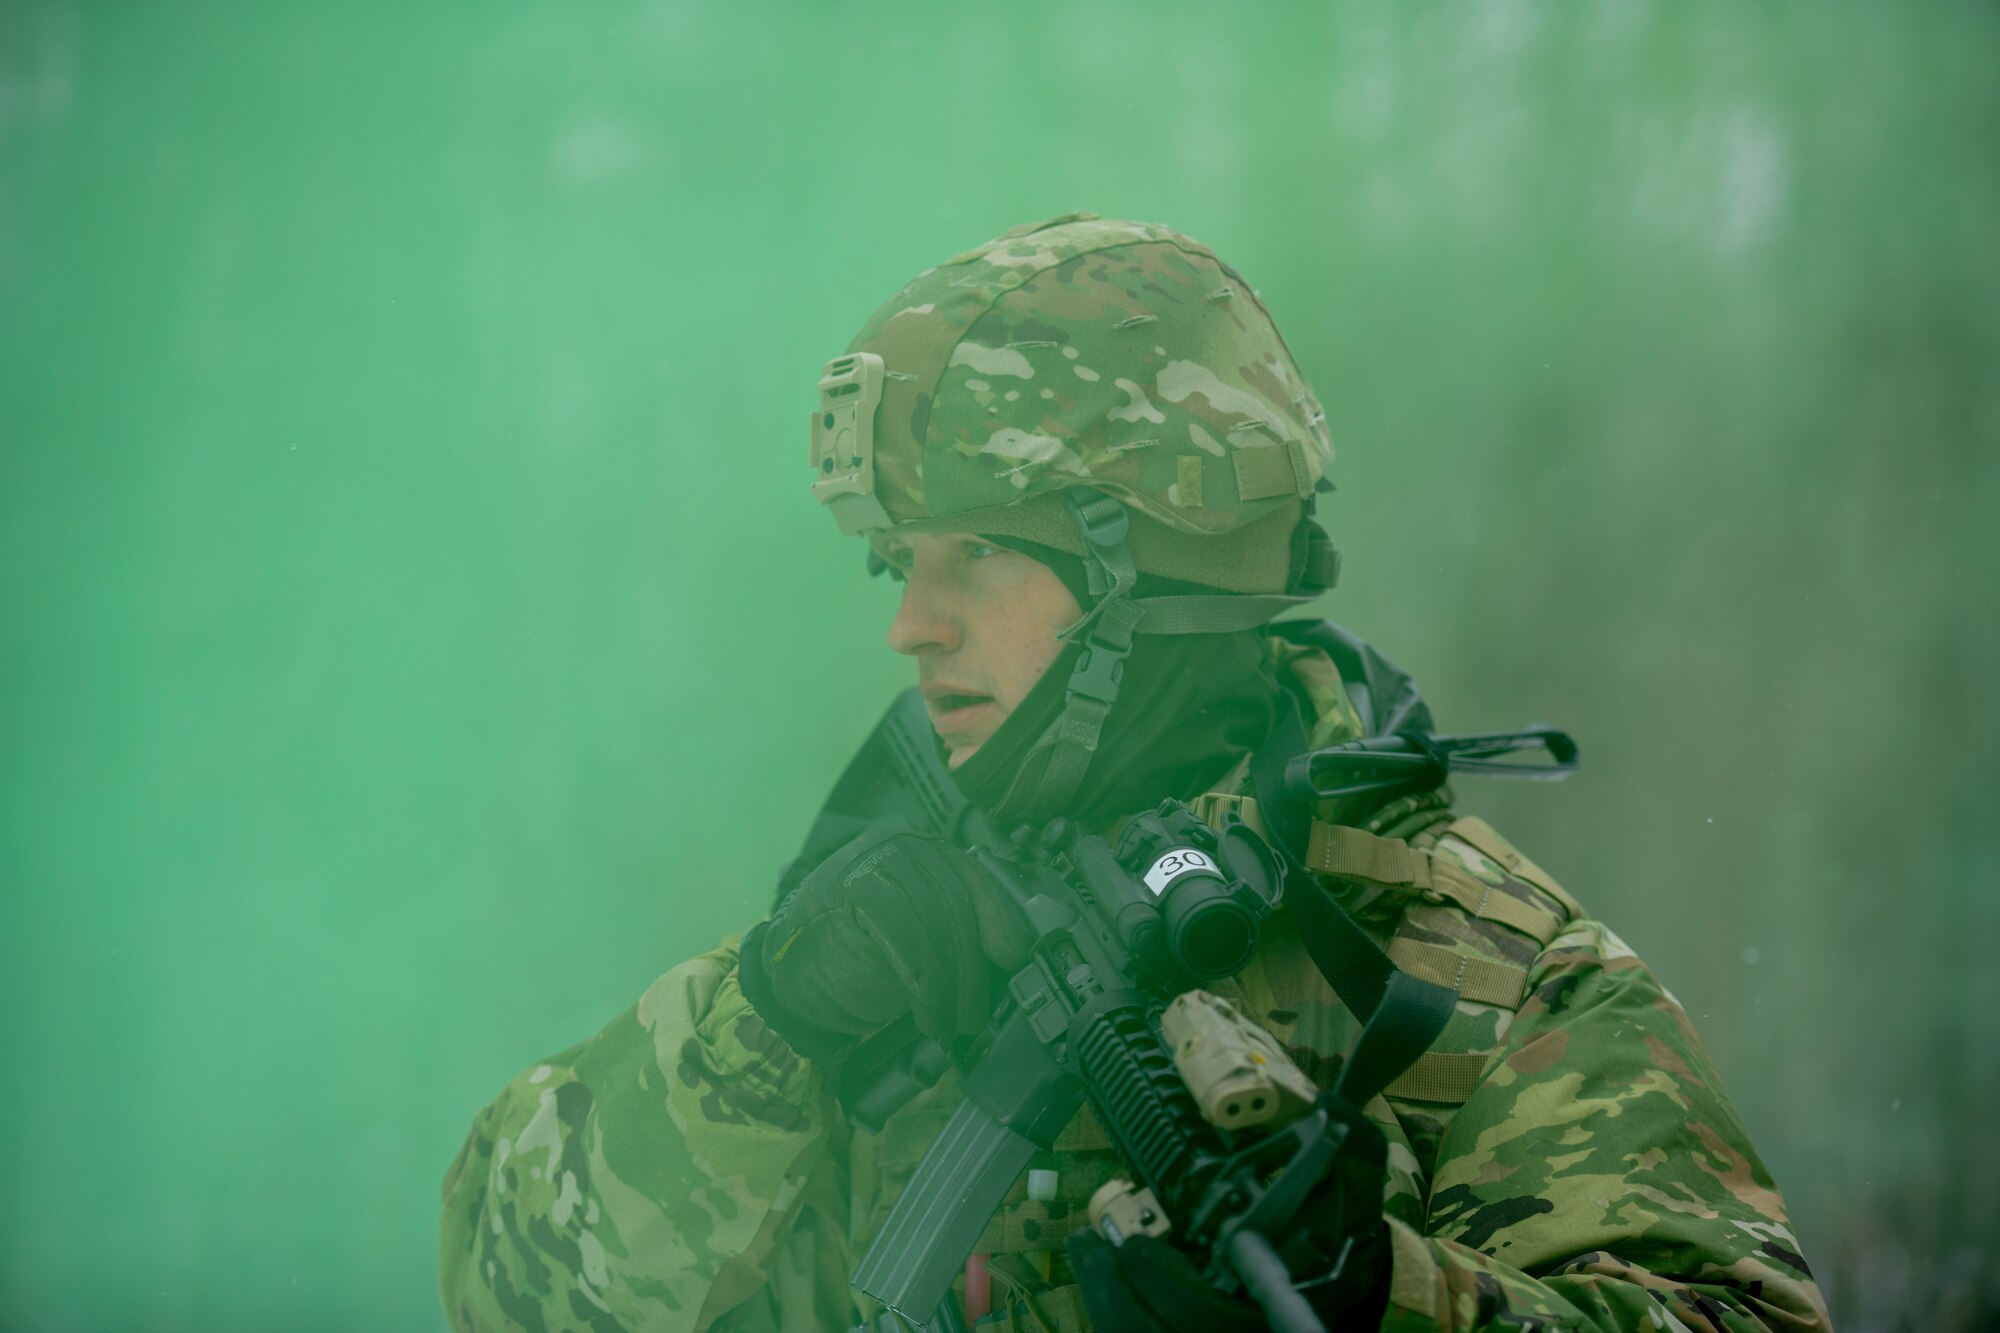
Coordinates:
1346 852
1352 853
1401 1015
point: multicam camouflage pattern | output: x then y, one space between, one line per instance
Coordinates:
684 1170
1121 355
646 1177
1598 1177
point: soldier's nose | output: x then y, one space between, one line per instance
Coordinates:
922 622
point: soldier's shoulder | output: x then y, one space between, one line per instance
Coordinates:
1518 893
1473 911
1469 848
1475 914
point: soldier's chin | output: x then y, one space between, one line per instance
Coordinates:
960 753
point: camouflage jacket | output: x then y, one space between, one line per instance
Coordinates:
1563 1157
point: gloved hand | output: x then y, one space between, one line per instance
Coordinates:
892 923
1146 1285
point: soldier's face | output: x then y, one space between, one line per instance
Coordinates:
981 621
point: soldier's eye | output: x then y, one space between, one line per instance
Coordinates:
980 550
891 562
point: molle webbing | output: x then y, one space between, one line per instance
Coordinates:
1351 853
1479 835
1481 980
1435 884
1441 1076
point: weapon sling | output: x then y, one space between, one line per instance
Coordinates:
1400 1014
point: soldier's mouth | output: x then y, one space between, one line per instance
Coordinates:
956 714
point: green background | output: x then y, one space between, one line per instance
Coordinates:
416 634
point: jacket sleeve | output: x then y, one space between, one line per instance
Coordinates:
661 1175
1598 1177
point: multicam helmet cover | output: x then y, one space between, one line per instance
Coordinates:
1081 351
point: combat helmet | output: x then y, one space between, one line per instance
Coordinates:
1105 388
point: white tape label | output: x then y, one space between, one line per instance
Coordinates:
1174 864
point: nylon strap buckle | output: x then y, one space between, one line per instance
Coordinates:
1107 643
1105 525
1103 519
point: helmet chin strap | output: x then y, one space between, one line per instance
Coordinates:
1104 633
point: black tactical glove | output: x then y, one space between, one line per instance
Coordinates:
1146 1285
891 924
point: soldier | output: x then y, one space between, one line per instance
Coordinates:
1087 454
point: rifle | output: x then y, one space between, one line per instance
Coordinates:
1118 932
